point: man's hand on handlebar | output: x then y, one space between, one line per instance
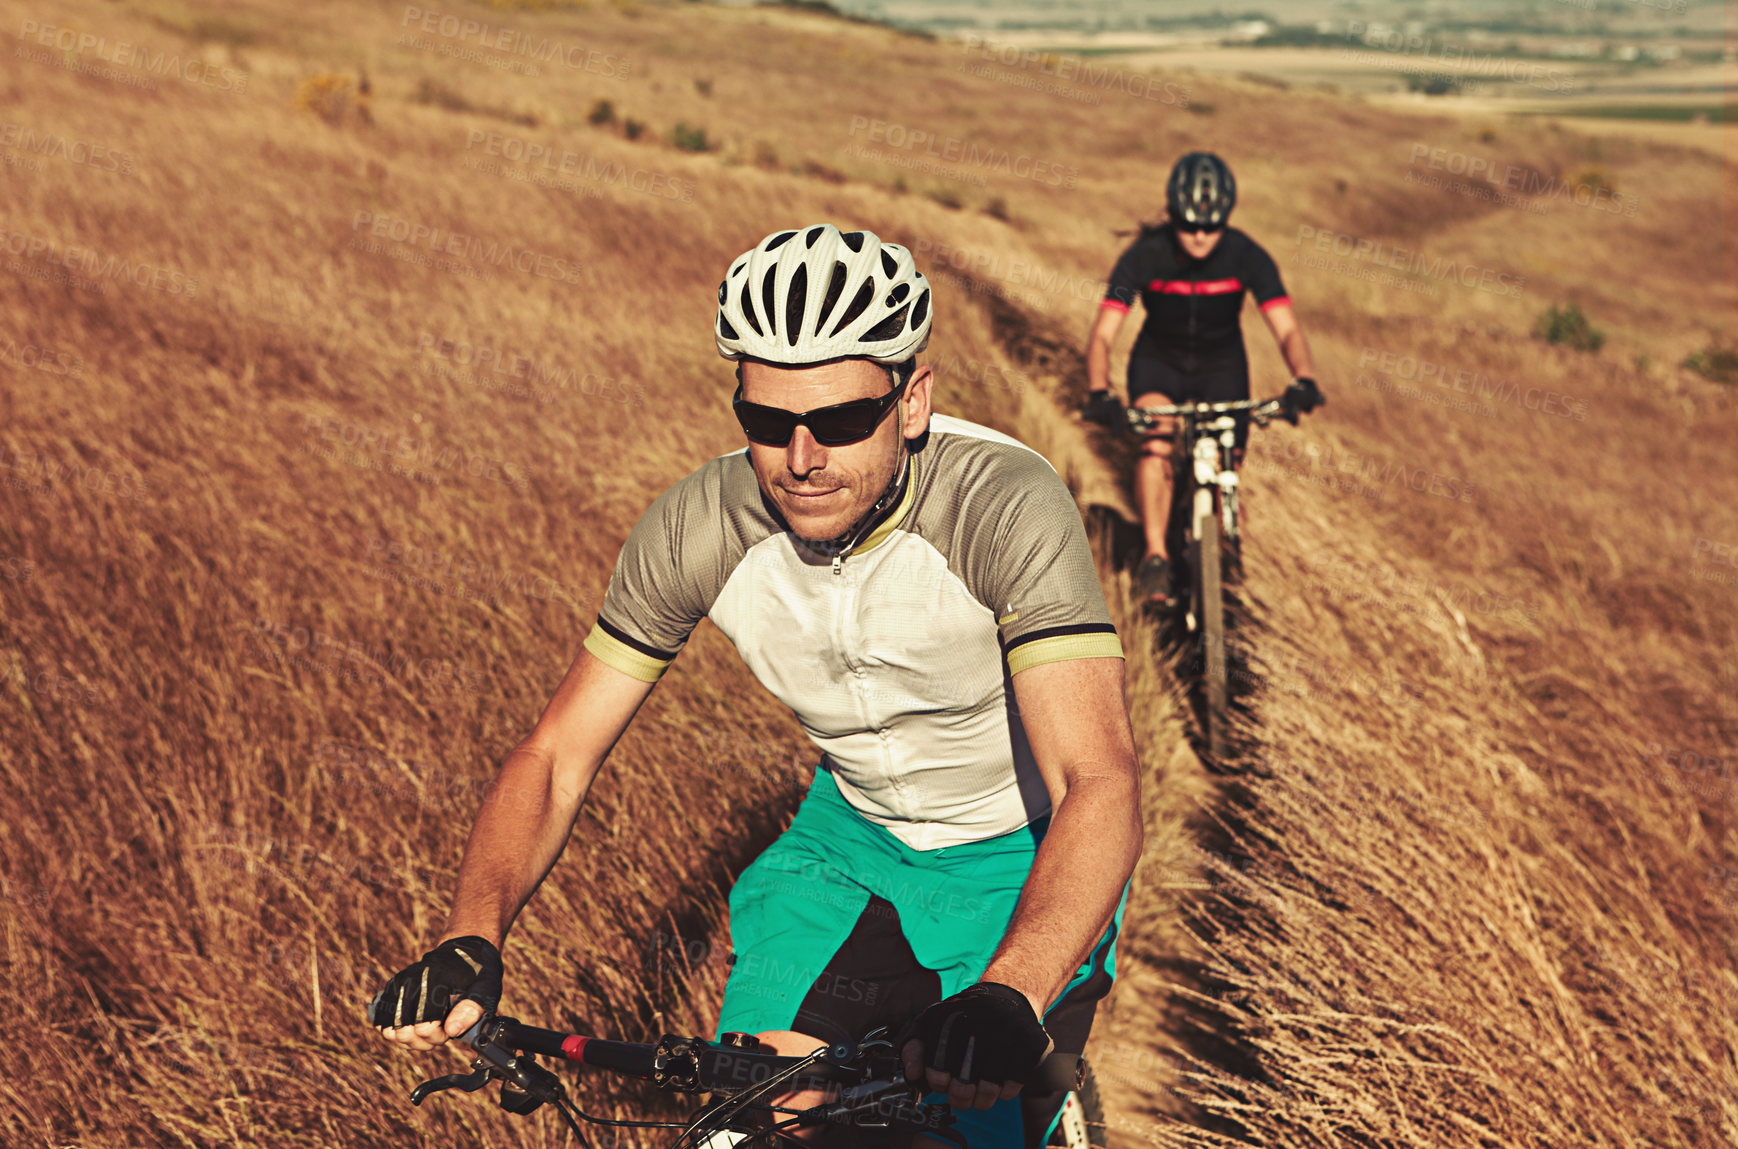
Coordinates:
1302 397
976 1045
440 996
1102 408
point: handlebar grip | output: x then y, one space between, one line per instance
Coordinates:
629 1057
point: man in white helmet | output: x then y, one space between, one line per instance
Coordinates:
920 592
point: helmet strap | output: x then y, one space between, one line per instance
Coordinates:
873 517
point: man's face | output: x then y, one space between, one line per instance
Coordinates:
822 491
1199 244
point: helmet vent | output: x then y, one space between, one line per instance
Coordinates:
859 304
835 288
737 270
725 329
746 306
796 299
888 265
921 311
779 240
898 294
888 328
853 240
766 297
814 234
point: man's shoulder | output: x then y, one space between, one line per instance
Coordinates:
718 489
969 457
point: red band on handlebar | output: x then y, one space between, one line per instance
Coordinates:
573 1047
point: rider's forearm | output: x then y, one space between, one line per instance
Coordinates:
1097 365
1071 894
1297 355
526 819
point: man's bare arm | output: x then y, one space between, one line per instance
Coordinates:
1077 723
529 812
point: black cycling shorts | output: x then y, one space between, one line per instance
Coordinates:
1153 381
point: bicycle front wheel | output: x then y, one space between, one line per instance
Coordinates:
1209 606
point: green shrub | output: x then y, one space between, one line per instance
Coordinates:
1569 325
946 197
603 113
1715 362
632 129
687 138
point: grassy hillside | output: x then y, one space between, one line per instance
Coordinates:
338 354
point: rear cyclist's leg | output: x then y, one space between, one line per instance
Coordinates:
1153 474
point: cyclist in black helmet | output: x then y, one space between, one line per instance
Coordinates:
1190 273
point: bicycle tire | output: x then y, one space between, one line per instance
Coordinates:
1082 1125
1209 606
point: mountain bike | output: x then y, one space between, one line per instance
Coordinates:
864 1082
1206 483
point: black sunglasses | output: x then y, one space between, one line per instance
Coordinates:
1199 228
833 426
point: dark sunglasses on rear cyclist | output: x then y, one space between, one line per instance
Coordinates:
834 426
1199 228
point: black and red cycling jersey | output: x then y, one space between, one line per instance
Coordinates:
1194 306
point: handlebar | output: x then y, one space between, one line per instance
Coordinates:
1140 419
742 1073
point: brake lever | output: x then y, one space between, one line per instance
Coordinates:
469 1082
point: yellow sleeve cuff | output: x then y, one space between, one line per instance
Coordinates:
617 654
1063 647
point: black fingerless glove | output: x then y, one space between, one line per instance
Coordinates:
1103 408
1302 397
985 1033
457 969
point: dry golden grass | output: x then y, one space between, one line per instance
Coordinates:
1460 890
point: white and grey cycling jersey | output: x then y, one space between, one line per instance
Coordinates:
897 659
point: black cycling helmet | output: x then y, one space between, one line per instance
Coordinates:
1201 192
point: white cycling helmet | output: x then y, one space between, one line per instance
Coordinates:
812 295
